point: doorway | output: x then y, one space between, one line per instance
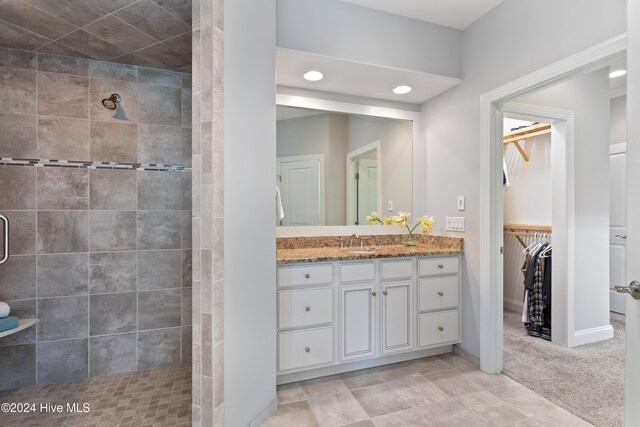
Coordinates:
577 328
364 183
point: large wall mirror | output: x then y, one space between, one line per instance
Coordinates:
336 167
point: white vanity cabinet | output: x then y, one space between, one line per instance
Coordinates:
344 315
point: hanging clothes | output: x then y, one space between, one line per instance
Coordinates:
537 296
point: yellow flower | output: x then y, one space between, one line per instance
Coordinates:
426 222
387 220
373 218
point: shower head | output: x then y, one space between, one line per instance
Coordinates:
111 103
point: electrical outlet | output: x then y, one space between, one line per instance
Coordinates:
453 223
460 203
390 206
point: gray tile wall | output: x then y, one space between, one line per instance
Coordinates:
208 212
101 257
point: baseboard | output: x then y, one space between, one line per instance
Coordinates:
513 305
360 364
589 336
459 351
264 414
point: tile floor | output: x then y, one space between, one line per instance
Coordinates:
157 397
441 391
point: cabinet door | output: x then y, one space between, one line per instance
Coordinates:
396 317
357 315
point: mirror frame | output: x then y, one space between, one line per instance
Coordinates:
419 151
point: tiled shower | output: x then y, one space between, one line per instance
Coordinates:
99 204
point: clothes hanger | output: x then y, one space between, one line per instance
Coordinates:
527 249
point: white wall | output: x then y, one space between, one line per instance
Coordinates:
588 97
618 131
249 235
347 31
336 163
302 136
527 201
396 137
549 31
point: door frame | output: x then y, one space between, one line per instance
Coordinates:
351 171
320 158
491 208
562 216
616 299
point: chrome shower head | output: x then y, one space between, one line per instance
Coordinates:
112 102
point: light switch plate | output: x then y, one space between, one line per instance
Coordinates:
390 206
460 203
454 223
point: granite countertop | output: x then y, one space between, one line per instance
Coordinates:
298 250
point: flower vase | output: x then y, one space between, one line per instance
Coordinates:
408 240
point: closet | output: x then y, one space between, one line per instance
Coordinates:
527 229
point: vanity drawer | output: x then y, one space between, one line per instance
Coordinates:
438 328
437 266
358 272
438 293
305 275
305 308
396 270
300 349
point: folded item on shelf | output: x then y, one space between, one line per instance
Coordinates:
9 323
4 309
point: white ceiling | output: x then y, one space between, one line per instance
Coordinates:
351 78
451 13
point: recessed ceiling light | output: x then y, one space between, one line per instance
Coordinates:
401 90
617 73
313 76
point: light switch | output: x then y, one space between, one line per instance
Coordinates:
460 203
390 206
454 223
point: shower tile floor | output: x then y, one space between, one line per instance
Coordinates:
157 397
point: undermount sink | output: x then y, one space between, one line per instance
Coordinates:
362 251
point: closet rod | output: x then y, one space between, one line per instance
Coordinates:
525 234
528 227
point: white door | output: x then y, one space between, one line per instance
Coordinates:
396 317
617 223
301 189
357 317
632 337
368 188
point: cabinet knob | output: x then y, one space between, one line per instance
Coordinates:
440 266
307 349
441 293
307 308
384 293
373 294
440 328
307 275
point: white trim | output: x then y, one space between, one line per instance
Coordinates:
320 158
491 215
618 148
618 92
338 230
588 336
350 172
419 145
268 411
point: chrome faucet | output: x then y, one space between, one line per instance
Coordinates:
351 240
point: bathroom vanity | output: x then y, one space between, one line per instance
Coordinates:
341 310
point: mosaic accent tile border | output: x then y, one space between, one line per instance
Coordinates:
80 164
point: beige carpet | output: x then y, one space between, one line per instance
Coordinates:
587 380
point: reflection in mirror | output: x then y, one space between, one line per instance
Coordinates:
336 168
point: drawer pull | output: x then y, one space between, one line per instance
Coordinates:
307 308
441 293
307 349
384 293
373 294
440 328
307 275
440 266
